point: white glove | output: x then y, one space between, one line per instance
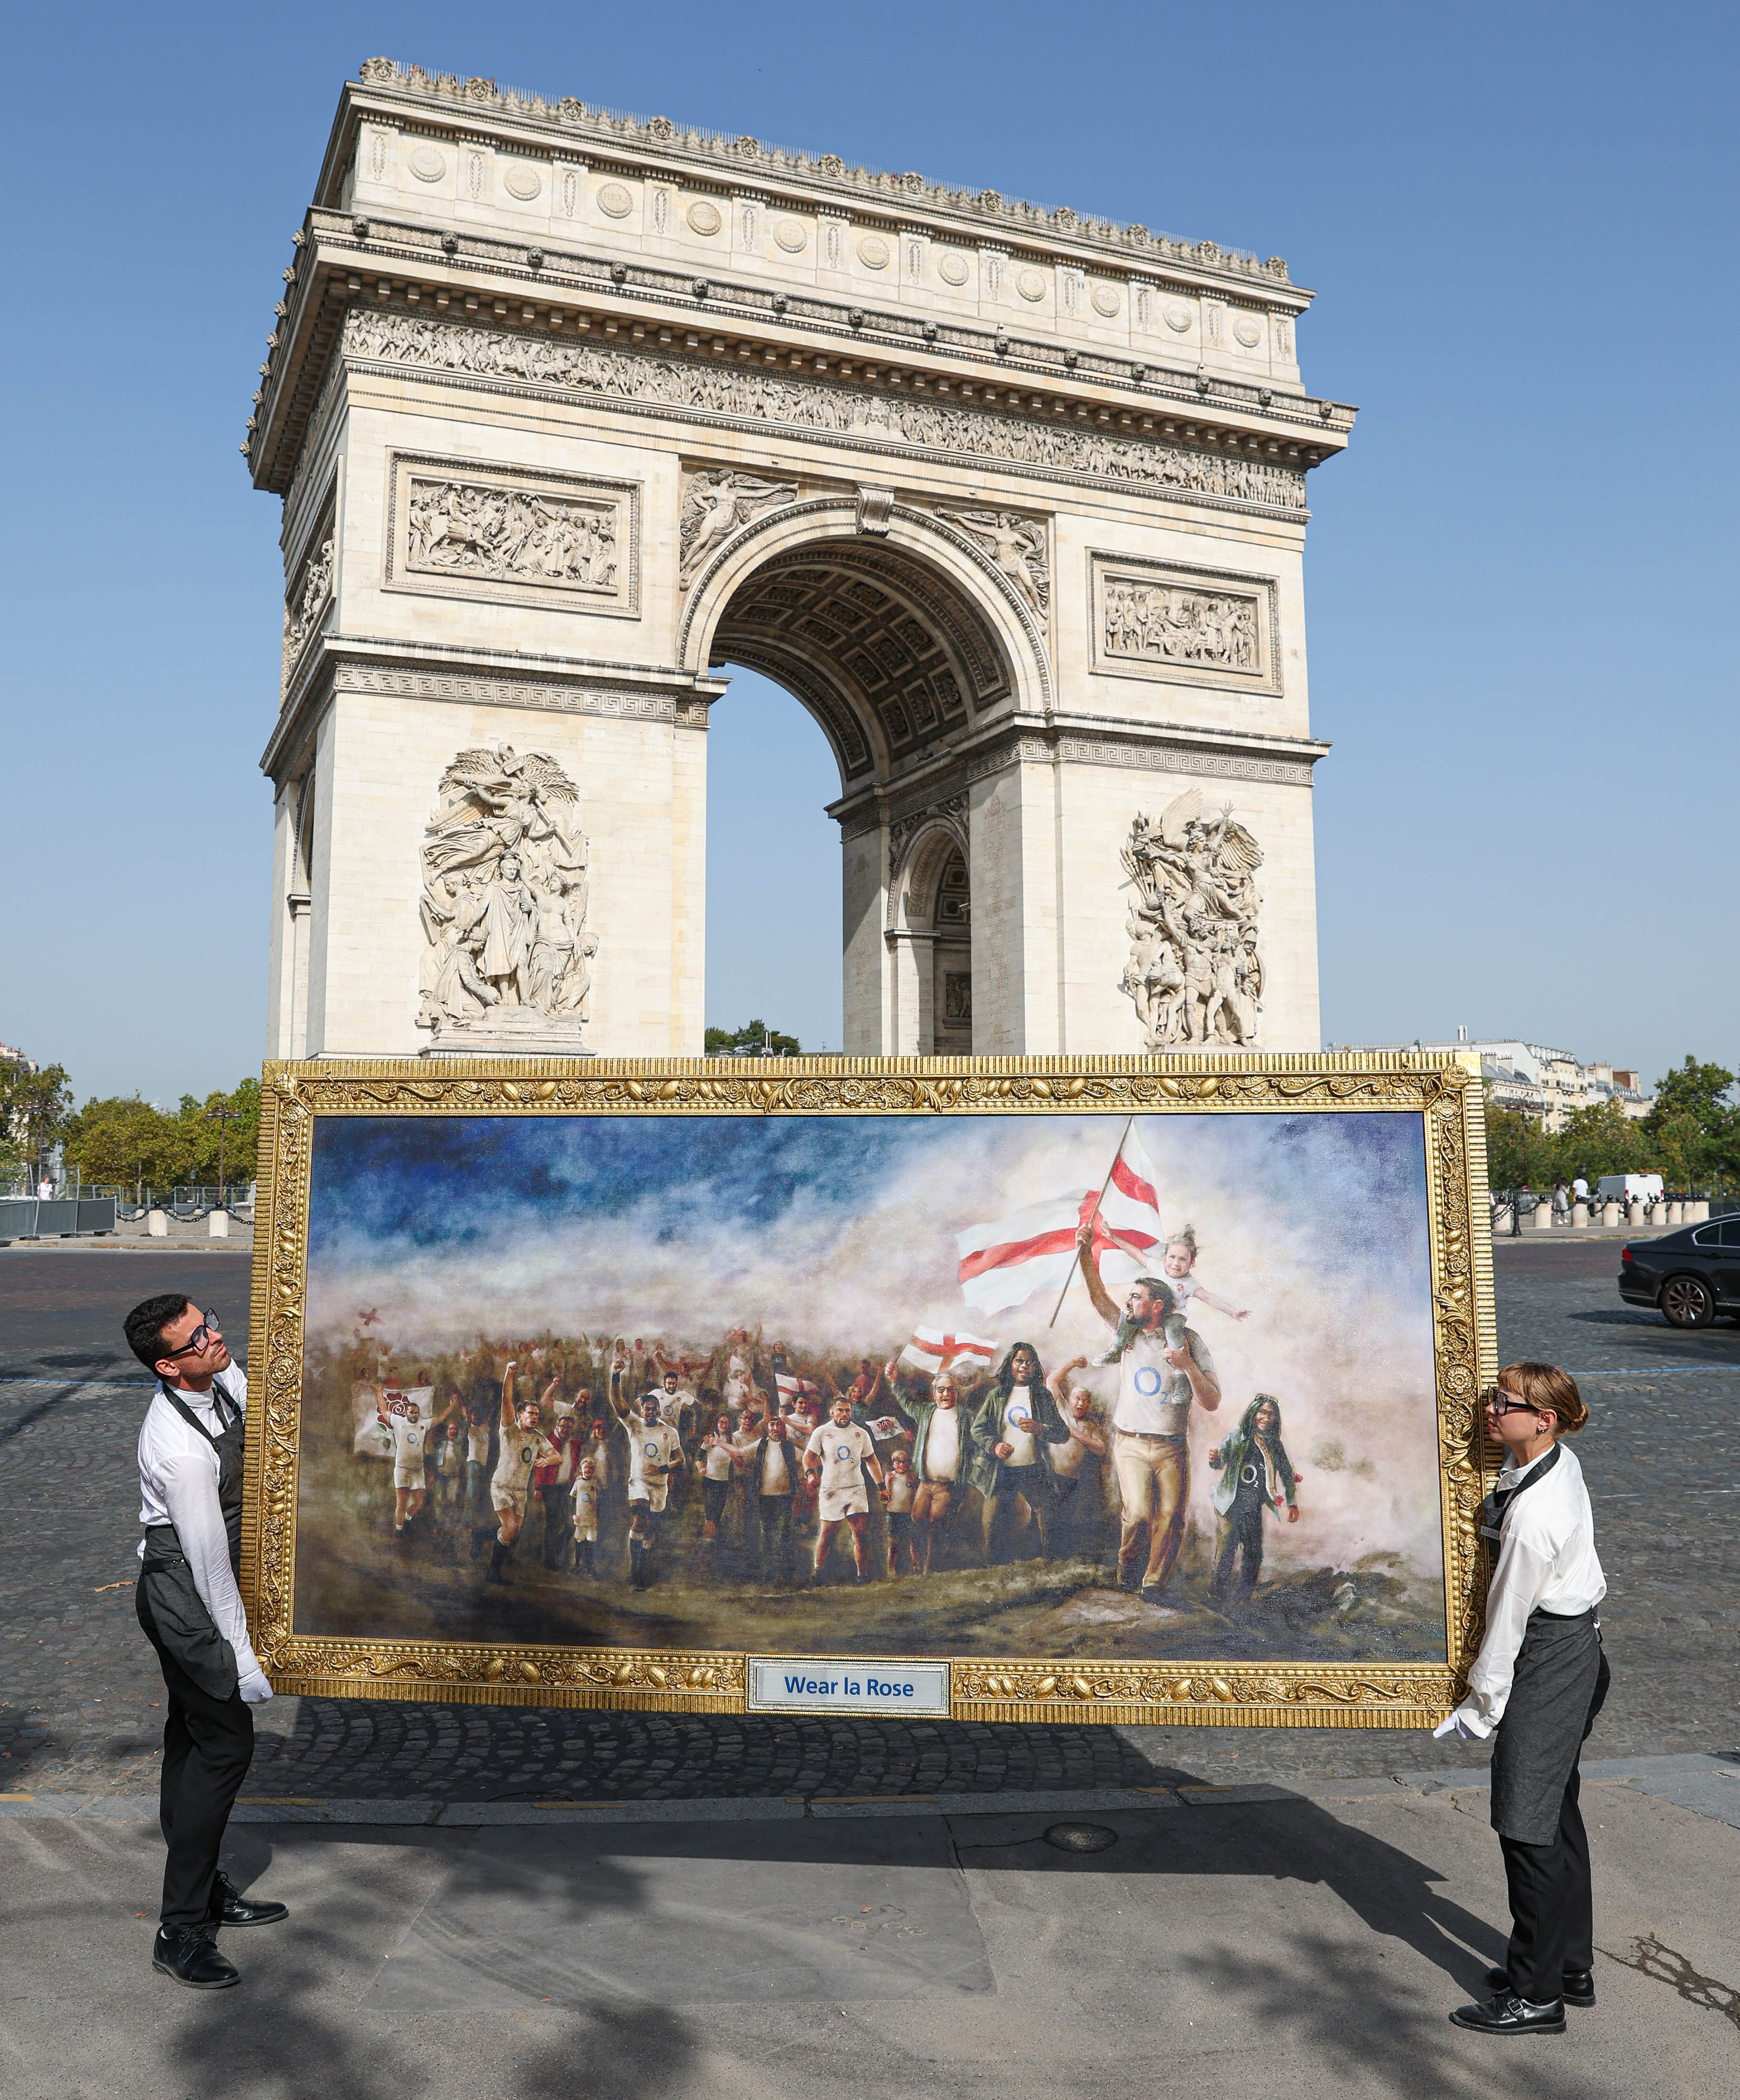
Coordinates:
1460 1724
254 1689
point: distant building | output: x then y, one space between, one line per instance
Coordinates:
1548 1086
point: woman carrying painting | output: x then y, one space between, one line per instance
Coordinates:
1538 1682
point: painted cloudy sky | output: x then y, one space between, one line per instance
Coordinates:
838 1234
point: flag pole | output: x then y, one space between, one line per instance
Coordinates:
1093 1213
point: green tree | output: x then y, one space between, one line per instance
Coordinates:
125 1138
1603 1139
35 1106
1695 1125
222 1134
750 1041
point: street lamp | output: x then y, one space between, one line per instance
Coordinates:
224 1115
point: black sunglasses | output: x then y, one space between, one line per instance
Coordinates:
195 1345
1500 1404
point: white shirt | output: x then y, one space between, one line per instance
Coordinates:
406 1433
179 1485
719 1461
651 1444
477 1443
942 1445
1018 1428
521 1450
842 1452
1546 1562
776 1469
1153 1399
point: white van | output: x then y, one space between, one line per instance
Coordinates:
1628 1188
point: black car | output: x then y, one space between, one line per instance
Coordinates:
1691 1275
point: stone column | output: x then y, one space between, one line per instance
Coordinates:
1543 1214
1579 1214
1012 871
1610 1214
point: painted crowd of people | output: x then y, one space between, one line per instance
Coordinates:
619 1460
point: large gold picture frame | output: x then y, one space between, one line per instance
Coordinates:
1440 1095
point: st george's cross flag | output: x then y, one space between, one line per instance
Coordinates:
1003 1263
931 1348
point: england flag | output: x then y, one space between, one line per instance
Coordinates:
930 1349
1004 1263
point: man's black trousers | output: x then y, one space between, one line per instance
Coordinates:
1551 1909
208 1746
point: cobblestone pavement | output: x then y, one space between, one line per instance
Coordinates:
79 1697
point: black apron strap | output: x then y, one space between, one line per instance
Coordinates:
1492 1509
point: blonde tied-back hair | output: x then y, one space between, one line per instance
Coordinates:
1551 1391
1184 1237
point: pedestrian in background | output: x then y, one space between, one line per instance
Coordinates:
1539 1680
189 1460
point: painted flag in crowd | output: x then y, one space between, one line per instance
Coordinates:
369 1402
930 1349
789 1387
1004 1263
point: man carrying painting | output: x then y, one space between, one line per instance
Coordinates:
1163 1368
190 1609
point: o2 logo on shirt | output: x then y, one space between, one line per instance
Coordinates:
524 1455
1147 1381
649 1451
843 1453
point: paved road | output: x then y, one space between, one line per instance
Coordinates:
78 1695
1299 1949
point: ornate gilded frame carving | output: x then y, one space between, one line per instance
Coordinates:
1444 1091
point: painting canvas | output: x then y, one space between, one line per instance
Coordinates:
1092 1392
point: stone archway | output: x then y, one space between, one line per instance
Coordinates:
898 632
566 410
930 941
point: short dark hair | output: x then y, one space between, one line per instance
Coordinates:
144 1325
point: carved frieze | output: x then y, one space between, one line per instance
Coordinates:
509 957
717 504
1195 971
704 391
459 528
1019 546
1201 627
305 606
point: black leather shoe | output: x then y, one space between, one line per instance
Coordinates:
233 1908
186 1953
1509 2014
1576 1986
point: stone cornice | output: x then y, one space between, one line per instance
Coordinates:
1189 455
372 664
479 109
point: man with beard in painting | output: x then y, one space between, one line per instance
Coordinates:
1163 1368
942 1456
1013 1429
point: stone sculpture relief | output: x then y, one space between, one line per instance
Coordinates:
716 505
504 897
1163 623
463 528
1195 971
703 390
302 614
1018 546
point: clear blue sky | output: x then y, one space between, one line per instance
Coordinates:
1520 580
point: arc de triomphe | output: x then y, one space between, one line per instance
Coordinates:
568 410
